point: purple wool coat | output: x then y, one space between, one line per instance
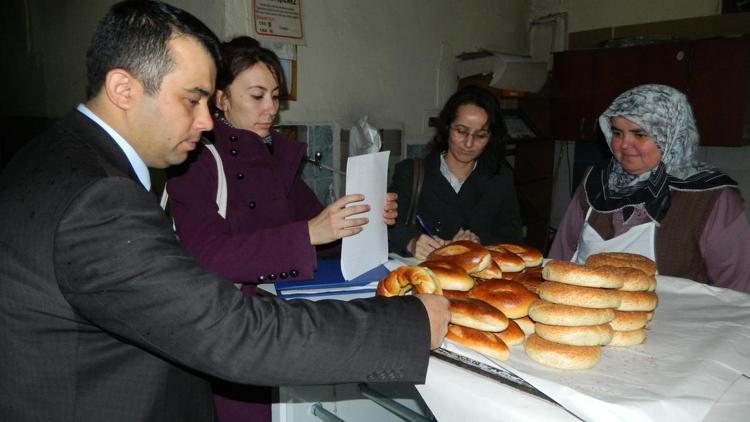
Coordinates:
264 236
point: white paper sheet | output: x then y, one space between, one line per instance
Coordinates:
368 175
696 349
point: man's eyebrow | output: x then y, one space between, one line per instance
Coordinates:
198 90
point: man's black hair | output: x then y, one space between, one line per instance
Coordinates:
134 35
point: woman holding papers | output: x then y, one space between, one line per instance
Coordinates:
467 190
273 221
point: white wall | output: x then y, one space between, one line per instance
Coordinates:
389 59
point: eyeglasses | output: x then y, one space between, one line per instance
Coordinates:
463 132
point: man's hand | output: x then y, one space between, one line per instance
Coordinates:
424 245
439 314
332 223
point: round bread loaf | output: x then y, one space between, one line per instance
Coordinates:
474 313
631 320
403 279
574 316
512 335
532 257
468 255
622 259
526 325
628 338
589 297
505 259
561 356
580 275
531 278
450 276
638 301
586 335
491 272
483 342
450 294
508 296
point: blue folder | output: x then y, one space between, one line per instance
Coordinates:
328 276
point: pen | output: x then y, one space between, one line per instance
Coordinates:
423 226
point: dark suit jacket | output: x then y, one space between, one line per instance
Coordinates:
486 203
105 317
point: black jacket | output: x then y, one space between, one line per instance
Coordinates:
486 204
106 318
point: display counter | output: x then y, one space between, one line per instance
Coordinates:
694 366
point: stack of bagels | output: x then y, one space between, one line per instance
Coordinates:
490 289
607 301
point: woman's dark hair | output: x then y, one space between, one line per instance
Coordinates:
481 98
134 36
242 53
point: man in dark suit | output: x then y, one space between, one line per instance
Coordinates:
104 316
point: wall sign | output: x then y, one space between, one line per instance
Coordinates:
278 20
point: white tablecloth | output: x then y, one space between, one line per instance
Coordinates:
693 365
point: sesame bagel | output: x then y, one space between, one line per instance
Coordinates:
628 338
638 301
589 297
622 259
555 314
580 275
561 356
587 335
631 320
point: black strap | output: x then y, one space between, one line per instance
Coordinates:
416 190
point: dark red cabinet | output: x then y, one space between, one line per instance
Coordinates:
714 74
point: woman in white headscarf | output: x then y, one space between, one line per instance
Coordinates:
656 199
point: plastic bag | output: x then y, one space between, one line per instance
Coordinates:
363 138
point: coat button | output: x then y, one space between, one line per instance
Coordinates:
251 204
233 151
272 276
233 138
283 275
261 278
240 176
293 273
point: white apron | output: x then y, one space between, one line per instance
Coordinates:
639 240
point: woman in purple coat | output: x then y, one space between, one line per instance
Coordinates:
273 221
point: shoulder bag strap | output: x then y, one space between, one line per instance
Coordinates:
221 188
416 190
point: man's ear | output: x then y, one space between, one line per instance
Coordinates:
220 100
121 88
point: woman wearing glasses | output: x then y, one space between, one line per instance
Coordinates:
467 191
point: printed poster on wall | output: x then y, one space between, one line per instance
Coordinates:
278 20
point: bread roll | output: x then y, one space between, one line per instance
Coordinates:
531 278
561 356
587 335
638 301
483 342
526 324
505 259
508 296
450 294
580 275
512 335
403 279
476 314
628 338
492 271
531 256
450 276
631 320
622 259
589 297
468 255
574 316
